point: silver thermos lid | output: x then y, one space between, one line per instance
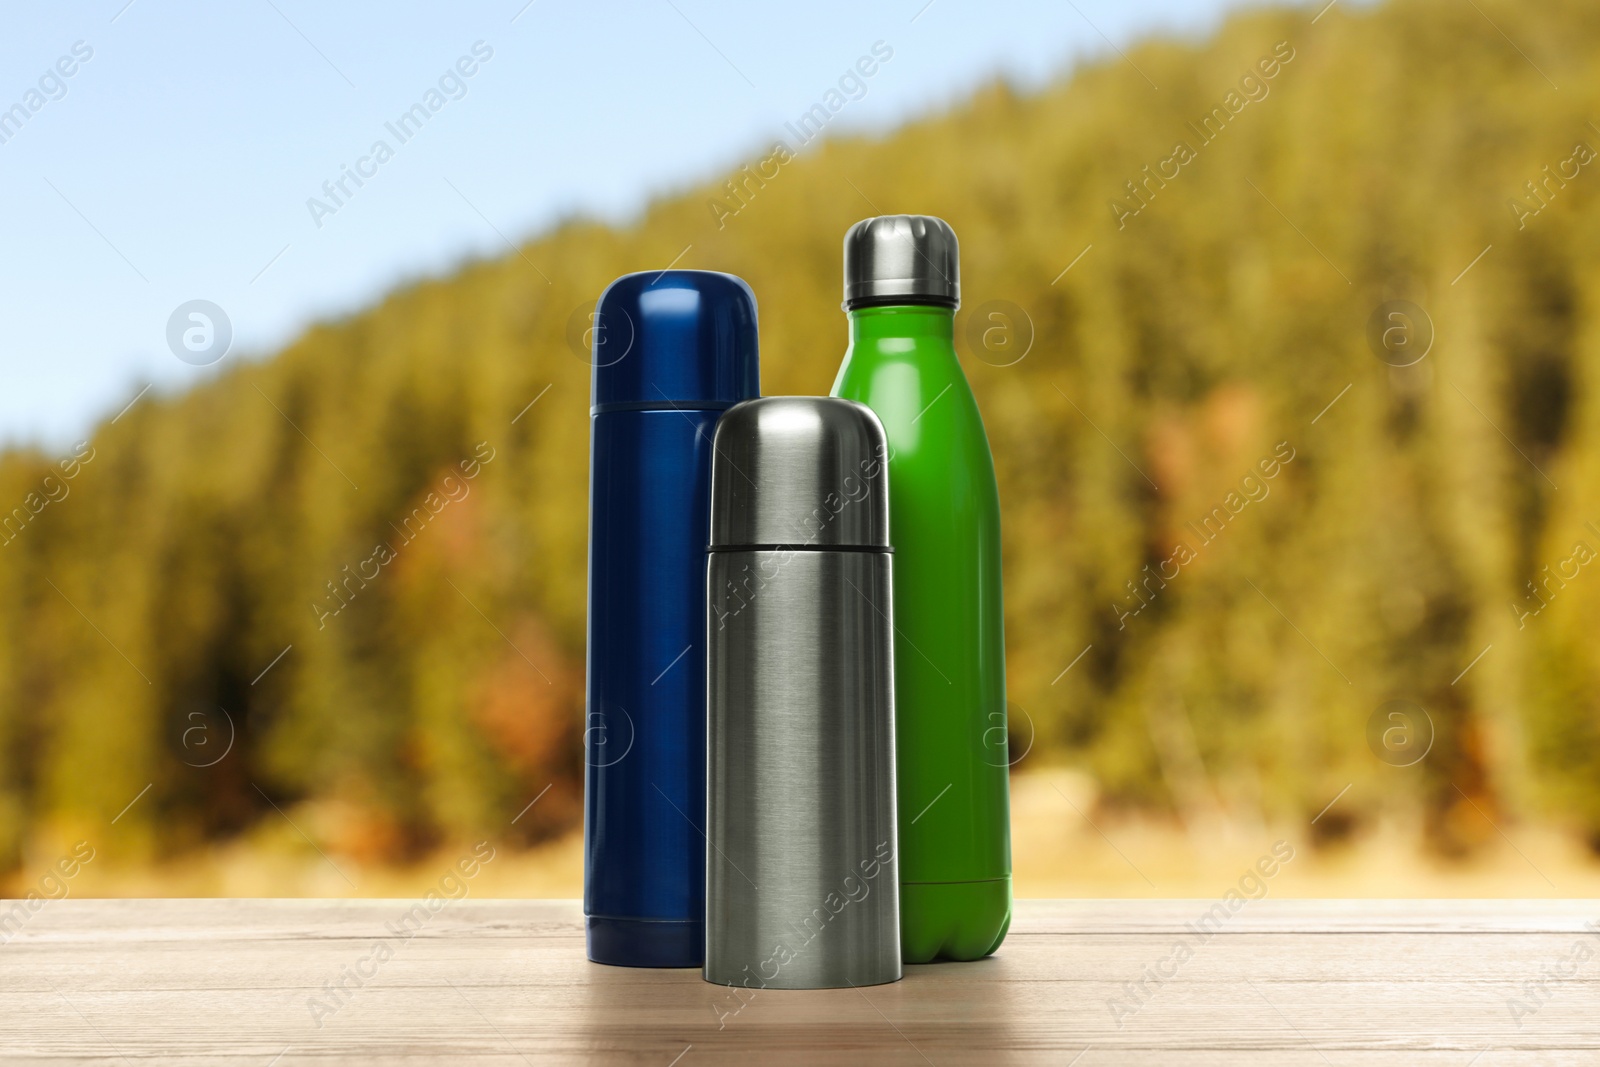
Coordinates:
802 883
901 259
805 471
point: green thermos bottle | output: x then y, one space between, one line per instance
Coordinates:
901 289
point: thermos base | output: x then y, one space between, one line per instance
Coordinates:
953 920
646 942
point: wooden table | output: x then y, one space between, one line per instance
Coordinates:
505 982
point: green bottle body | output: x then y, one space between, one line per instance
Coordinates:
949 670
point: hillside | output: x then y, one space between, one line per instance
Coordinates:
1253 531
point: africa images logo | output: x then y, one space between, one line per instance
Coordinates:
451 85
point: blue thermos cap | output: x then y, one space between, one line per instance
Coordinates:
674 338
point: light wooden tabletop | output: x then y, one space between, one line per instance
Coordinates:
1486 983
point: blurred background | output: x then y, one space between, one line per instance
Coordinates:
1283 322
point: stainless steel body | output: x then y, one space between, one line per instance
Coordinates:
802 883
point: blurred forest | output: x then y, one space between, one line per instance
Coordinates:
1235 239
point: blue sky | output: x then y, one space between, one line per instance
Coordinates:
175 162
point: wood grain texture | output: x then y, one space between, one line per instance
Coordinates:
505 982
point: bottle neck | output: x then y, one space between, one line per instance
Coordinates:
903 320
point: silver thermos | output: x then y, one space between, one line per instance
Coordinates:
801 874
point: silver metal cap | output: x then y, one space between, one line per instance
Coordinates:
800 471
901 259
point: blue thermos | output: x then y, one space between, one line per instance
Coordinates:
671 350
